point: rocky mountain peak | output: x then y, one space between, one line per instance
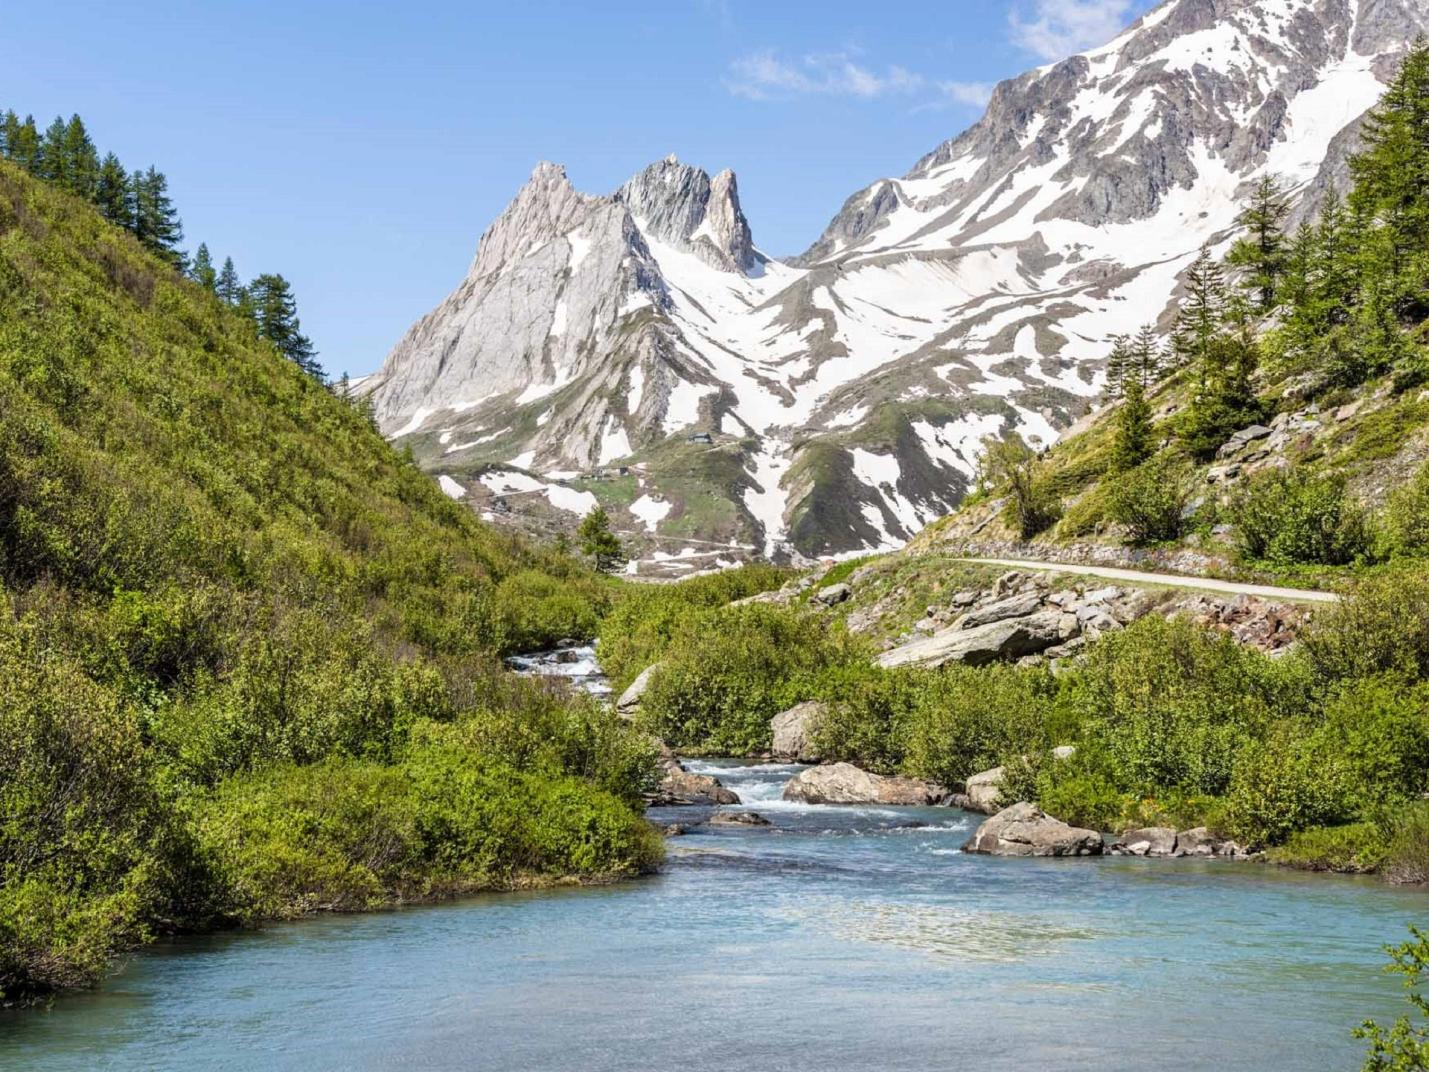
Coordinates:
682 206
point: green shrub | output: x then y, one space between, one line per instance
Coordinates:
1150 501
865 721
727 672
1381 626
1354 848
1407 859
1378 729
1285 783
1290 517
1406 517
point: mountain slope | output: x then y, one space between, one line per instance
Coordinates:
247 651
845 394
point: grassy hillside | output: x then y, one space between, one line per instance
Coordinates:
248 654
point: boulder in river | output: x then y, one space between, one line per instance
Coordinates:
629 702
983 791
794 731
1026 830
843 783
1150 841
1009 639
684 787
738 818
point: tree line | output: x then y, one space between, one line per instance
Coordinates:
65 155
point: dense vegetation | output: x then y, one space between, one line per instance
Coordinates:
249 656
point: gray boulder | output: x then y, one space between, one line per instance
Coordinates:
1196 842
738 818
833 595
629 702
1150 841
1010 639
1018 606
794 731
983 791
843 783
1026 830
683 787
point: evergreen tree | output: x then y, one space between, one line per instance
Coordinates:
1133 442
52 163
112 193
600 542
202 270
228 286
1117 364
156 221
1260 253
9 127
275 311
1200 321
22 144
81 160
1147 359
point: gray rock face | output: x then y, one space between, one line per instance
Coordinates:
843 783
1009 639
793 733
1014 607
1025 830
593 332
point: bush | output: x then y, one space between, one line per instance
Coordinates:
1286 783
1407 859
1406 518
1354 848
727 672
1380 627
1150 501
1293 517
865 721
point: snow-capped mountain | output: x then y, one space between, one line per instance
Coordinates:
837 401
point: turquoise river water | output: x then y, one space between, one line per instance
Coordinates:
838 938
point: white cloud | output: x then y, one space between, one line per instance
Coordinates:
764 75
1056 29
972 93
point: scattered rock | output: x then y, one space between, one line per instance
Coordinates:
963 599
672 830
793 733
1064 751
1018 606
843 783
833 595
1196 842
629 702
1008 583
1026 830
983 791
683 787
1150 841
1010 639
738 818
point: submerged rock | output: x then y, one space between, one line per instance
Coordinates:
738 818
843 783
793 733
1026 830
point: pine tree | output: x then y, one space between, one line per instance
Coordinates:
275 311
156 221
9 127
228 287
112 193
22 144
1260 253
600 542
1133 442
1147 358
1200 321
1117 363
81 160
51 163
202 270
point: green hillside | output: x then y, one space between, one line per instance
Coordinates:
248 653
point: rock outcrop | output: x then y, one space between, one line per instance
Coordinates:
1026 830
843 783
683 787
793 732
629 703
1001 640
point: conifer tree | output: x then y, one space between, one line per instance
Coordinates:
112 192
1201 318
202 269
1260 253
81 160
156 221
1133 442
228 287
600 542
275 311
1147 359
22 144
9 125
51 162
1117 364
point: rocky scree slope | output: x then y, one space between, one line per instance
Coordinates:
637 349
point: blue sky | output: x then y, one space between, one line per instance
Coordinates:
362 148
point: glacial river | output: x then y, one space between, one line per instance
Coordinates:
837 938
